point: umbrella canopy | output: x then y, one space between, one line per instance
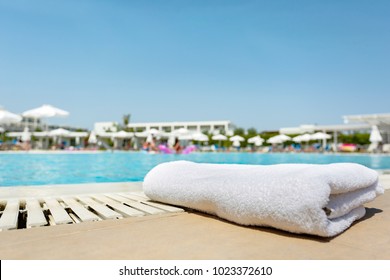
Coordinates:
146 133
123 134
236 143
2 130
219 137
237 138
92 139
320 136
258 142
154 131
256 139
45 111
59 132
26 135
278 139
199 136
180 131
182 134
297 139
303 138
7 117
375 136
41 134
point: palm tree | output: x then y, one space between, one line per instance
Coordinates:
126 119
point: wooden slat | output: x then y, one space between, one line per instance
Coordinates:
9 219
81 212
99 208
119 207
135 204
35 216
60 216
154 204
141 194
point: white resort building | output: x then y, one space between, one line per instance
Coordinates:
202 126
352 123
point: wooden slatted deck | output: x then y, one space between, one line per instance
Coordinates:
58 213
49 211
9 218
35 216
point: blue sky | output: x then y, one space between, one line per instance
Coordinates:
262 64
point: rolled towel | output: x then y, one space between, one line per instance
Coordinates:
314 199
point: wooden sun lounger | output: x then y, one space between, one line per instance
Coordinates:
147 201
135 204
35 216
9 219
82 213
99 208
60 216
119 207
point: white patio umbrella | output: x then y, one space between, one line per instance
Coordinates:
219 137
306 137
92 139
237 138
45 111
303 138
2 130
154 131
256 140
320 136
297 139
59 132
278 139
26 135
199 136
375 135
146 133
236 144
258 143
7 117
182 134
123 134
180 131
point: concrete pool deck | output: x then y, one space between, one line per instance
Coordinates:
192 235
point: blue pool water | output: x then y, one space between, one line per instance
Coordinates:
42 169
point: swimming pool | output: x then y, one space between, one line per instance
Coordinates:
23 169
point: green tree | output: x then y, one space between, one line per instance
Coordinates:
239 131
251 132
126 119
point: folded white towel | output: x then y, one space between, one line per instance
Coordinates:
321 200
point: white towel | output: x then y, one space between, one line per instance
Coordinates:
321 200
